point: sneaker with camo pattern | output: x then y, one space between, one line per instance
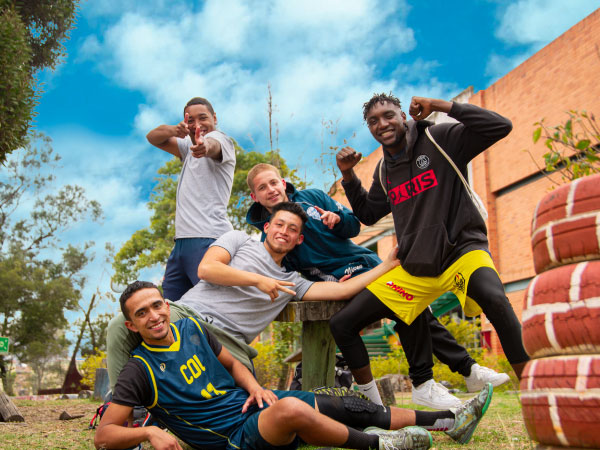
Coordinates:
468 415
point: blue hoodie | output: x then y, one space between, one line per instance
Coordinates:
324 253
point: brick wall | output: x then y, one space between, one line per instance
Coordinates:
561 76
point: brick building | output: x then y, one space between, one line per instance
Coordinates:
560 77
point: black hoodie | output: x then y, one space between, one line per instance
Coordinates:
436 222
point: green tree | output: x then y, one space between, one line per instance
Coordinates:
32 33
35 291
152 245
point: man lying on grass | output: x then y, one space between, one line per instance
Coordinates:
194 387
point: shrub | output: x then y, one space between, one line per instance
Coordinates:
88 368
467 334
267 367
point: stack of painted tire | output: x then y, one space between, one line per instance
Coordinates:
560 387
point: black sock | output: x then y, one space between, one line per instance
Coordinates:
435 420
359 440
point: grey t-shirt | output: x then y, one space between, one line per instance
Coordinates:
243 311
203 191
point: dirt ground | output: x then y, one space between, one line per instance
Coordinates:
501 428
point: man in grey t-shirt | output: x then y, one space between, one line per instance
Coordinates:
243 286
203 191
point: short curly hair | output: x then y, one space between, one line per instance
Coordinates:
380 98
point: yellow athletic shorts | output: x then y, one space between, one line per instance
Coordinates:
408 295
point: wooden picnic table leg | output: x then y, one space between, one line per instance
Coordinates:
318 355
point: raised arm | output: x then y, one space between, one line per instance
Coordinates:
112 434
370 206
165 136
325 290
478 128
215 269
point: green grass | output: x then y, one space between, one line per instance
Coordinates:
501 428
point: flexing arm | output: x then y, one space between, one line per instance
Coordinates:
244 379
112 434
215 269
165 136
367 207
478 129
325 290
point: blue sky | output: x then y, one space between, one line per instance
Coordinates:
132 66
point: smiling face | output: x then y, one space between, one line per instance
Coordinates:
387 124
200 117
268 189
284 232
150 316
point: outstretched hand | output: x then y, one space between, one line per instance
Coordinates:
272 286
329 219
392 257
200 149
181 130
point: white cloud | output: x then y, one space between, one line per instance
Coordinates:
537 22
314 54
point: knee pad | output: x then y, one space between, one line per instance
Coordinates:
359 405
354 411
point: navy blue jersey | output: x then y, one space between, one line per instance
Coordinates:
192 393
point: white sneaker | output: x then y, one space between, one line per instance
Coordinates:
434 395
480 376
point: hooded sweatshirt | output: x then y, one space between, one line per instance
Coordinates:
325 254
435 220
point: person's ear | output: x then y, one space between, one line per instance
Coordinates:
300 239
266 227
253 197
130 326
403 115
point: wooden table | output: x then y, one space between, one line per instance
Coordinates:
318 346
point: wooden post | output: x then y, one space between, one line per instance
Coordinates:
318 346
8 410
318 355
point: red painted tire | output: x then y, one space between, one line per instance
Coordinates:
560 398
561 311
566 225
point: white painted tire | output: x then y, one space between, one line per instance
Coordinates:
566 225
561 311
560 399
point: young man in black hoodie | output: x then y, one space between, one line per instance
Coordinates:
442 237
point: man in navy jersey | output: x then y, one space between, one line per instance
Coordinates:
203 395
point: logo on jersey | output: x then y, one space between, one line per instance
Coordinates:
313 213
163 367
459 282
422 162
352 269
399 290
416 186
